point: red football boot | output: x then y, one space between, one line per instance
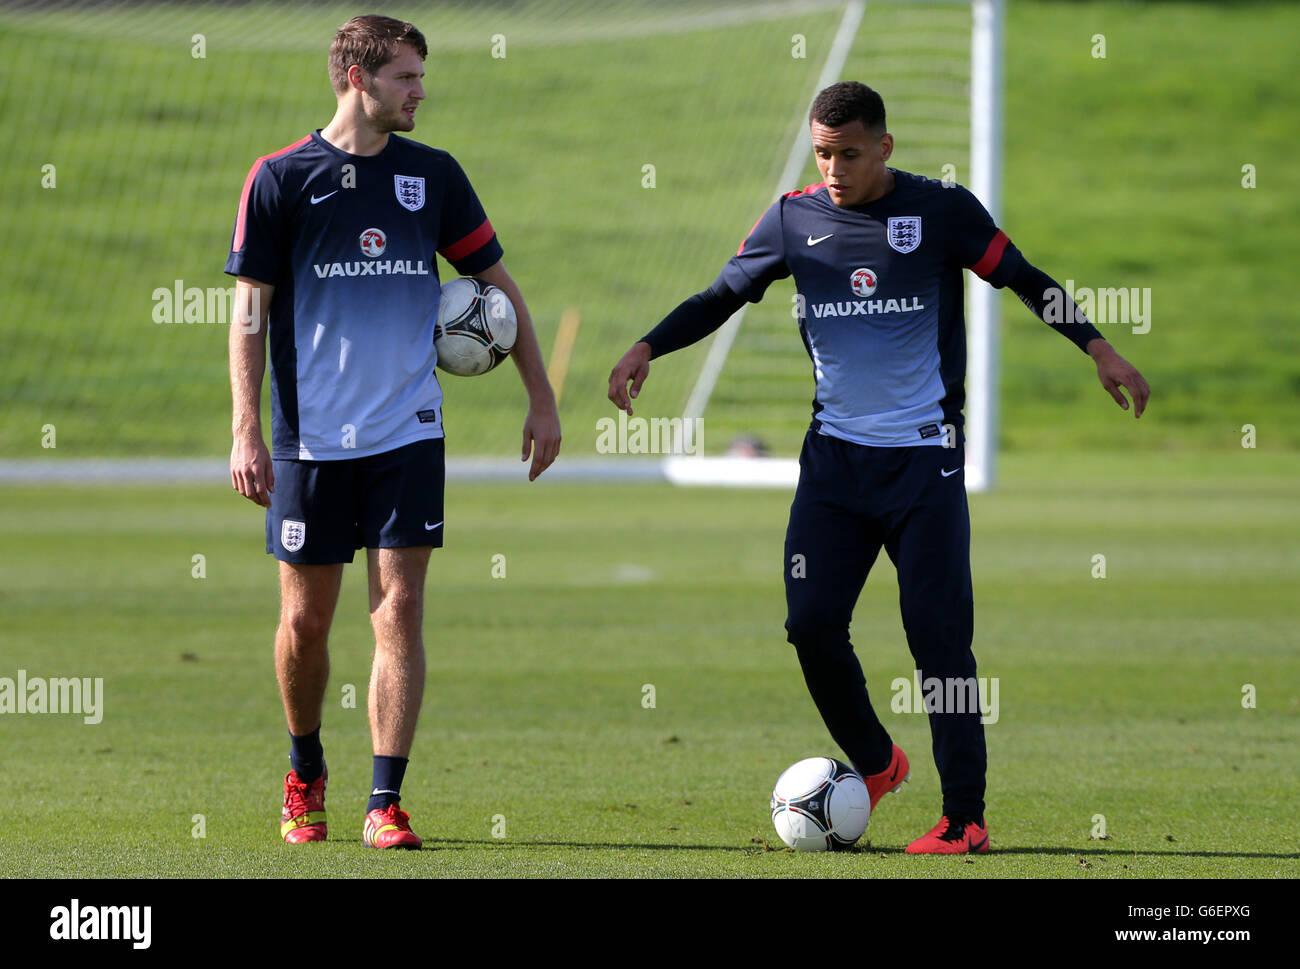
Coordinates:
950 837
890 779
389 827
303 817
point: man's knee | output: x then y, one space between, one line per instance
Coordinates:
400 608
308 628
808 629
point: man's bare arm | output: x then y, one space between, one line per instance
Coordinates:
251 473
542 424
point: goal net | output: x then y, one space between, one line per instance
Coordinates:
622 149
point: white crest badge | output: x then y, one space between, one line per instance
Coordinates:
410 191
904 232
292 534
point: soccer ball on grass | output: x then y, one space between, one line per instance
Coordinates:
820 804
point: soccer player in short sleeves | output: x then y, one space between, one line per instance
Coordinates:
334 249
877 255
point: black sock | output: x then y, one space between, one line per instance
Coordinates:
386 787
307 756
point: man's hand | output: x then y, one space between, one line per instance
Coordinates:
635 366
250 469
542 434
1115 372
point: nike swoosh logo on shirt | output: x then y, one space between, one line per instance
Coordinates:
429 528
949 474
316 201
813 242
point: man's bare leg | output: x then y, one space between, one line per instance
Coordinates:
396 685
397 675
308 595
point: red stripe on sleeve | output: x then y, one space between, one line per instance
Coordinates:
992 255
806 190
470 244
242 218
748 234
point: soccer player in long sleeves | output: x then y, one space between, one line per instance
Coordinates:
877 255
334 249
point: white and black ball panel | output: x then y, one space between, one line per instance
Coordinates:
476 327
499 313
849 809
800 830
801 779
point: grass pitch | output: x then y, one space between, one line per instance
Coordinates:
1120 697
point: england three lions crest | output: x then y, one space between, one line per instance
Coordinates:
904 233
293 534
410 191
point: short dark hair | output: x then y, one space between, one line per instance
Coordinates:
846 102
370 42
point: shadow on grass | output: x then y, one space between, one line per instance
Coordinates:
759 849
1132 852
455 843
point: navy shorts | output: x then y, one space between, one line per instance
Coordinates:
323 511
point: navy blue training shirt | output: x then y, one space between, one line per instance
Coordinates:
349 242
881 295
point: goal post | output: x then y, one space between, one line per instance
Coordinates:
981 299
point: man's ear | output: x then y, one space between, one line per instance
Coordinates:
356 78
886 146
